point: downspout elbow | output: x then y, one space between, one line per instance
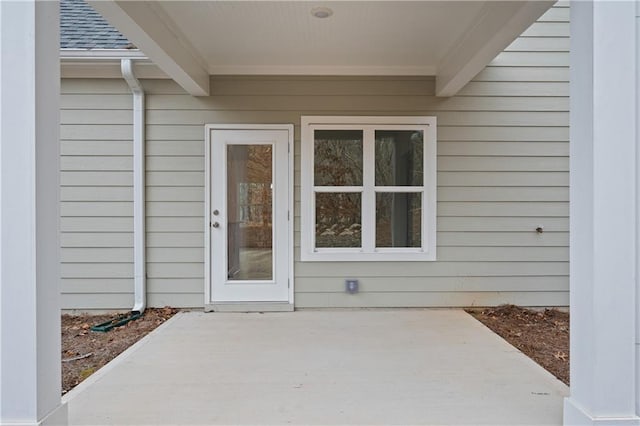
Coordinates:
139 244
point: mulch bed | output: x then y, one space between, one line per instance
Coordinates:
541 335
85 351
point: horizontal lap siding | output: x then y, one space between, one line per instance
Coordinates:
502 172
96 195
175 205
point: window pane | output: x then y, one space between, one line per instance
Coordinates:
338 158
338 219
249 212
399 155
398 219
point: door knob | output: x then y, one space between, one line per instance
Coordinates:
215 224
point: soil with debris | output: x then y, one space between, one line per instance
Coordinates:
85 351
541 335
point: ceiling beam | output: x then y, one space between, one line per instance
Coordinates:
147 26
497 26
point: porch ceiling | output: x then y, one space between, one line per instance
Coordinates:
452 40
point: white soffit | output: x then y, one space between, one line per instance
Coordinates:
452 40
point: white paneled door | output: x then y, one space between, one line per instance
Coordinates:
249 215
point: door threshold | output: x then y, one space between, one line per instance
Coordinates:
249 307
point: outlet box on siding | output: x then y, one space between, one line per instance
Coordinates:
351 286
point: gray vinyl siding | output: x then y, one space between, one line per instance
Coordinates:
96 193
502 171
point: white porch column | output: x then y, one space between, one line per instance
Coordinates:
29 254
604 214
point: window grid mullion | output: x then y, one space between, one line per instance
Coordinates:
317 189
368 195
404 189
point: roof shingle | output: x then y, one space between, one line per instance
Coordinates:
81 27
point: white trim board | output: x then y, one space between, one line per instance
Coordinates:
106 66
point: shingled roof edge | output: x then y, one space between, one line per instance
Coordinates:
81 27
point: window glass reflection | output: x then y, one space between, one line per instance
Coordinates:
338 219
249 212
399 158
398 219
337 158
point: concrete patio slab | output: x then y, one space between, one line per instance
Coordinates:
322 367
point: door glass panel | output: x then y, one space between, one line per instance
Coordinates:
337 158
398 219
399 155
338 219
249 212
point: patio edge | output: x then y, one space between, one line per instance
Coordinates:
95 377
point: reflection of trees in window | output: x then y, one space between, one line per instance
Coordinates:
399 157
255 194
398 162
338 158
249 196
338 219
338 162
398 219
255 203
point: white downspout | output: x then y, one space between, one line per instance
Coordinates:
139 245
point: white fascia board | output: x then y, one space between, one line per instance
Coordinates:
323 70
499 24
106 67
101 54
150 30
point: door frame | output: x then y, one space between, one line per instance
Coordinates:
246 306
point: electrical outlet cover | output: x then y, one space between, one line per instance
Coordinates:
351 286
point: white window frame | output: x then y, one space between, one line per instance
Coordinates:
368 251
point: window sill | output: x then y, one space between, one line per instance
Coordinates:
402 255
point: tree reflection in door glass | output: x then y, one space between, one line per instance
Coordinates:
249 212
